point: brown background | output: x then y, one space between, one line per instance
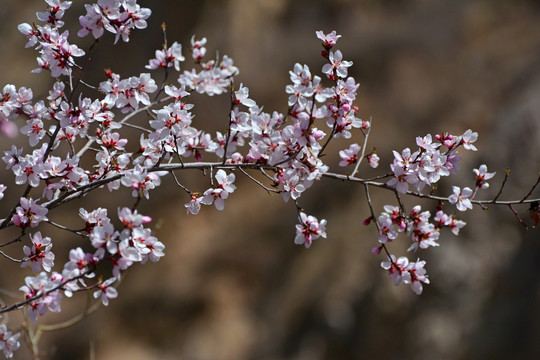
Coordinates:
233 285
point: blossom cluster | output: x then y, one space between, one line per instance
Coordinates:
426 166
417 225
285 150
119 17
423 233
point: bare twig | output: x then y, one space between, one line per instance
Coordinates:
259 183
359 160
532 189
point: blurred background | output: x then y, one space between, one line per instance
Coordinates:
233 285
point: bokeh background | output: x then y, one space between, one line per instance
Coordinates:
233 285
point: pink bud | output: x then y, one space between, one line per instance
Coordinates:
146 219
367 221
376 250
332 107
402 224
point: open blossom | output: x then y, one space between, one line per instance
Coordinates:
329 40
141 181
194 205
482 175
106 291
167 58
131 218
416 275
349 156
309 229
29 170
337 64
216 196
40 255
225 181
396 268
443 220
29 213
81 262
387 232
468 138
242 97
402 178
403 271
424 235
35 131
461 198
41 286
197 48
8 342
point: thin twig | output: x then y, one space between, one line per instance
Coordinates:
518 217
179 184
532 189
228 135
259 183
12 259
506 174
17 239
78 232
359 160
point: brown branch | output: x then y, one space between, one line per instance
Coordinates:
532 189
39 295
506 174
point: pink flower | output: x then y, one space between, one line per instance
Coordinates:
167 58
39 286
106 291
8 342
198 49
40 255
34 130
225 181
216 197
468 138
416 275
482 175
461 198
387 233
194 205
396 268
349 156
309 229
336 64
29 213
242 97
329 40
402 178
141 181
81 262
